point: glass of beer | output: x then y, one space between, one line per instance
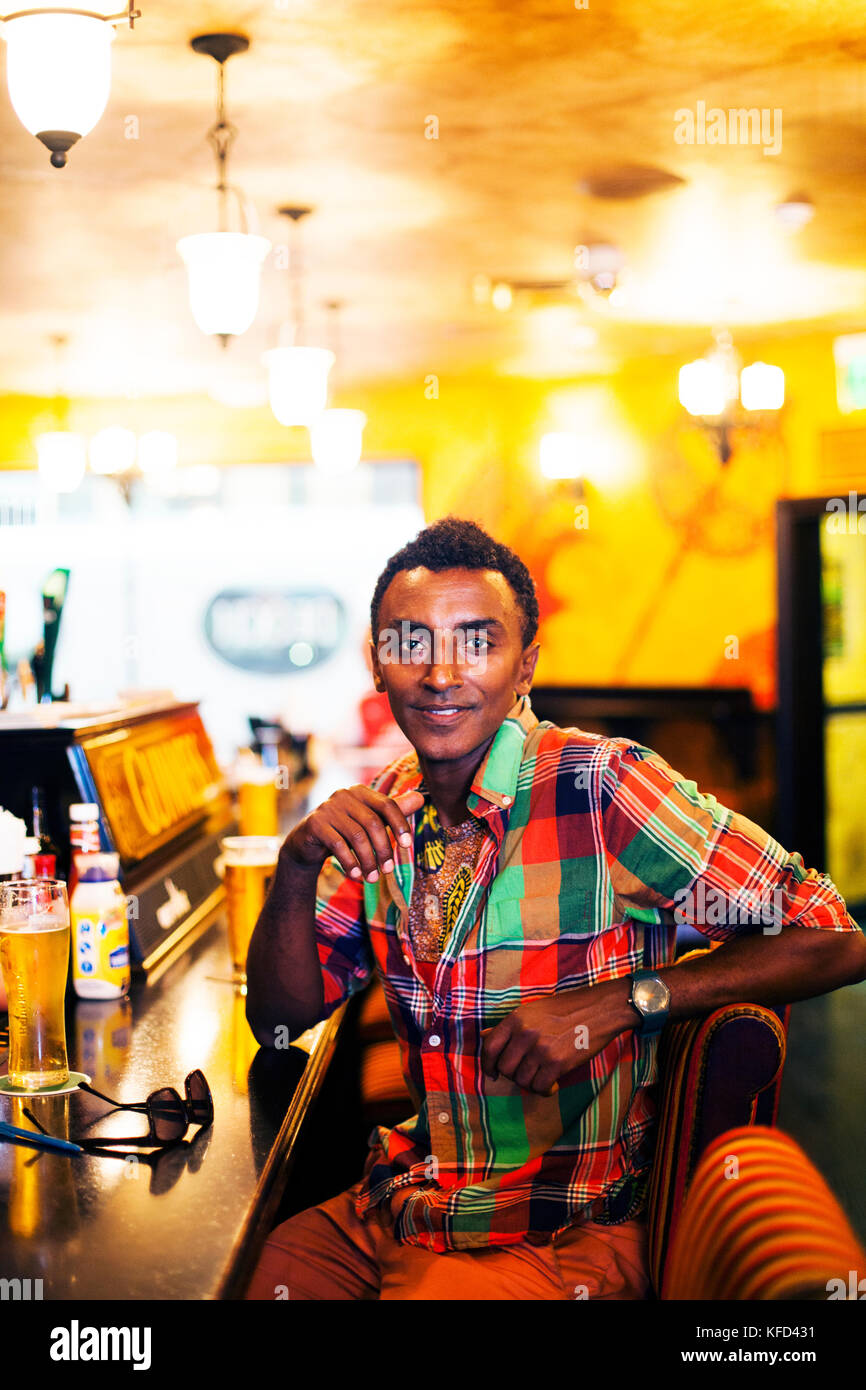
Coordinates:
249 862
258 799
34 957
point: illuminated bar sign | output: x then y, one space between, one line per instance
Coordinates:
154 779
849 354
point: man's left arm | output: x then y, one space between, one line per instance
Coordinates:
670 845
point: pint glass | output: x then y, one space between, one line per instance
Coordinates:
250 862
34 957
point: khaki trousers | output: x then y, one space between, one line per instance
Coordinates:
326 1252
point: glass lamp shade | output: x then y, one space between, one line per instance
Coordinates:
113 450
58 67
703 387
298 382
62 459
157 452
336 438
224 270
762 387
559 455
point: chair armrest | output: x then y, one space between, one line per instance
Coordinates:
716 1073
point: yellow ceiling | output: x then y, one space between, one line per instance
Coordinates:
331 104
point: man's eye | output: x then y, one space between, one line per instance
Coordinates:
477 639
410 644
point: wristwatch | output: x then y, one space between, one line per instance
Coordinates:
651 997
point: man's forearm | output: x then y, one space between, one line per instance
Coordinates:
284 976
796 963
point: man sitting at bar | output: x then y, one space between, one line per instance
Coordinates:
517 886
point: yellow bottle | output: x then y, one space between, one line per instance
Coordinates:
100 929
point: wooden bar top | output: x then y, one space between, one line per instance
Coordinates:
189 1223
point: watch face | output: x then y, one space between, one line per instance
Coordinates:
651 996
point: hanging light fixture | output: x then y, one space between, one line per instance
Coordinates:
297 375
61 454
112 450
224 267
58 68
723 398
337 439
337 435
62 459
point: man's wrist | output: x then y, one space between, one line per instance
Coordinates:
629 1017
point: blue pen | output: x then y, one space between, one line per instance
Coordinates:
39 1141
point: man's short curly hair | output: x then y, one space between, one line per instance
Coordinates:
452 543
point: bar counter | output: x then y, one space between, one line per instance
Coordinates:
188 1224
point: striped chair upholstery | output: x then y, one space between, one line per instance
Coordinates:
759 1222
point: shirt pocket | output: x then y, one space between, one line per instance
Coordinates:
538 917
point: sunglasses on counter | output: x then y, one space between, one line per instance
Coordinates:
168 1115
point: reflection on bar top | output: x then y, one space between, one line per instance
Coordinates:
64 715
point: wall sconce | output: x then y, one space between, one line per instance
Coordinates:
559 457
58 68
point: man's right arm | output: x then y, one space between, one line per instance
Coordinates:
285 981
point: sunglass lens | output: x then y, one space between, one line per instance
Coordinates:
199 1097
169 1119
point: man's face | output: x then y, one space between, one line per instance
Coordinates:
450 657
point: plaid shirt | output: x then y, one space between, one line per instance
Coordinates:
591 843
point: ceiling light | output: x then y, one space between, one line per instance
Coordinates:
62 459
724 399
600 263
336 439
703 388
795 212
112 451
157 452
58 68
298 380
762 387
297 375
224 267
502 296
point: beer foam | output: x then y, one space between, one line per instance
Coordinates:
39 922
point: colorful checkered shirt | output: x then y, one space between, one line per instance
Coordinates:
591 843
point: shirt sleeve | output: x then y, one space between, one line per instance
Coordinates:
672 847
341 935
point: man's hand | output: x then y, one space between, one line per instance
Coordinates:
353 825
543 1040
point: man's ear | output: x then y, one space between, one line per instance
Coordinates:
528 664
376 669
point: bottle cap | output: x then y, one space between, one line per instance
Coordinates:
84 810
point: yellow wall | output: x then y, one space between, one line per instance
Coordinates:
668 576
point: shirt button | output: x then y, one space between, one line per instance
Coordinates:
434 1040
443 1117
506 800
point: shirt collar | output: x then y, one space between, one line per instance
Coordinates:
495 780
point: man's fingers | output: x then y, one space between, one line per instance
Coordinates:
367 835
389 811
